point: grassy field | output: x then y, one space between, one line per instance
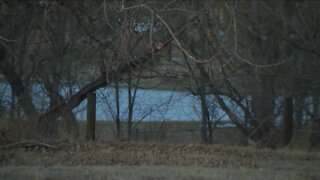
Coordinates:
119 160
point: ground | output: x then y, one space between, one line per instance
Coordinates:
120 160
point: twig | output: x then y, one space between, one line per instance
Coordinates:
8 40
26 144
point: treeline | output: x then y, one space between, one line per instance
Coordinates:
258 61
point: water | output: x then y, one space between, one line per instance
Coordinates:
149 104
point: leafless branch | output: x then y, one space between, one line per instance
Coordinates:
7 40
28 144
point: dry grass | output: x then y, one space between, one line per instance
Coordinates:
148 172
117 160
172 132
107 159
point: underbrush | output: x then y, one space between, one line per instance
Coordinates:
177 132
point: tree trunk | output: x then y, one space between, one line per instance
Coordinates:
130 107
288 120
299 103
117 120
13 107
205 118
91 116
233 118
69 119
263 109
316 105
19 89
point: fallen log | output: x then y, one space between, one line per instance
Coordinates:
28 144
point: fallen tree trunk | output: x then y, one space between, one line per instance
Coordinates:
28 144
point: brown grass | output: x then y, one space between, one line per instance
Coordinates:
118 160
175 155
149 172
171 132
